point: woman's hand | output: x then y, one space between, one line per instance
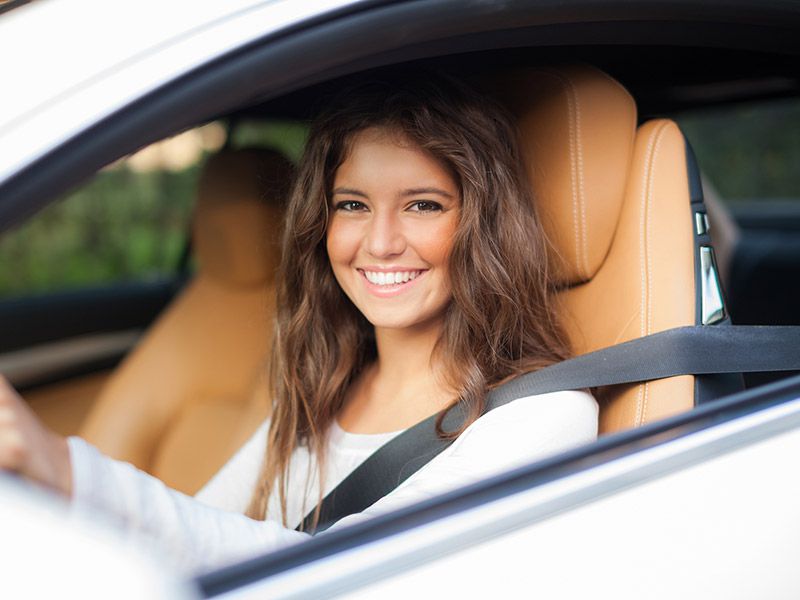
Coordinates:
27 447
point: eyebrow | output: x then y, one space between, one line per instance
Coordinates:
408 192
349 192
426 190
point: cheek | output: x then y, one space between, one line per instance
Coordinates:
341 242
437 241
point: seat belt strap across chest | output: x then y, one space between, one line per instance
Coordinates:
691 350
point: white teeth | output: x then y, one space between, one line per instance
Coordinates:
393 278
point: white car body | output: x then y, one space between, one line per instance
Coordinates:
705 510
98 70
48 552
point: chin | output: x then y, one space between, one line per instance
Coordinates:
391 323
395 321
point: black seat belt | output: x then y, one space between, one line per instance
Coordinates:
698 350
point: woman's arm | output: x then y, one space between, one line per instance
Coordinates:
201 536
196 536
28 447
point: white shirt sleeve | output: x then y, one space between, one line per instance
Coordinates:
199 536
193 535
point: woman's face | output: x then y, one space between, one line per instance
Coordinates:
394 210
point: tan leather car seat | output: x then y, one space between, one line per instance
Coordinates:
615 201
194 388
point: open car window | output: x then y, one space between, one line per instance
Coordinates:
130 223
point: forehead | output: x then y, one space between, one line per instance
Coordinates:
383 156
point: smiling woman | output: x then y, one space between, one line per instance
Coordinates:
394 212
409 233
392 240
417 174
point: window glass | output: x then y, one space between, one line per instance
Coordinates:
131 222
749 152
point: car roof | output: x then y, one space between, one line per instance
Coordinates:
102 36
112 53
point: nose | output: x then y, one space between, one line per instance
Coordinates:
384 236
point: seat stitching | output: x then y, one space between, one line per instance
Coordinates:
618 339
643 388
578 217
572 172
643 276
584 255
653 147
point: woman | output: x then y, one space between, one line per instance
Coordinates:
414 279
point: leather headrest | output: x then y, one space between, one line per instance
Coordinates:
577 128
236 229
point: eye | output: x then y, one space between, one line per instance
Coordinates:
425 206
350 206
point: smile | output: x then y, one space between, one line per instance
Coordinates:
390 283
391 278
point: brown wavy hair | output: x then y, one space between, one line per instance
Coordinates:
501 320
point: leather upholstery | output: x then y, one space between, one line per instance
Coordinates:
614 200
64 405
236 236
577 126
194 388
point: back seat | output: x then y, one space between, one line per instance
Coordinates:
194 388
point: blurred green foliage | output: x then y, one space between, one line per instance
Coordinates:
749 151
124 225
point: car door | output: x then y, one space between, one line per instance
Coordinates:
698 505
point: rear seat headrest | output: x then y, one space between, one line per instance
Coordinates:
236 228
577 129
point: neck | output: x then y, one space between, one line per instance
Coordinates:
404 355
401 388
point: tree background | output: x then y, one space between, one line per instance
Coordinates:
132 221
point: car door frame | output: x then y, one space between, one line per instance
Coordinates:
346 560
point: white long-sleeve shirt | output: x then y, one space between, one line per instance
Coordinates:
210 530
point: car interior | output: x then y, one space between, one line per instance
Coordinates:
617 185
194 389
